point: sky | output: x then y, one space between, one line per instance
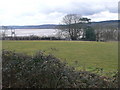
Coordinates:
38 12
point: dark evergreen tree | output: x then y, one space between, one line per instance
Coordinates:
90 34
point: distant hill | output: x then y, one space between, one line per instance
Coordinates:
46 26
113 23
110 23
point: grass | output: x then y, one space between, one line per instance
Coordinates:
81 54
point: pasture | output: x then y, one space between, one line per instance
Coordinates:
80 54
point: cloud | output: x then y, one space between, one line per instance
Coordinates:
31 12
105 15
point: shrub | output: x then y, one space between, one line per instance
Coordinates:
47 71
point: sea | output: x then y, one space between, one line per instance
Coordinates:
28 32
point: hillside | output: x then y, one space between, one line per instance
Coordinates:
113 23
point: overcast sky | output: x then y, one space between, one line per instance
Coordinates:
37 12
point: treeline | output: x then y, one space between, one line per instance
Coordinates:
106 32
78 27
33 37
46 71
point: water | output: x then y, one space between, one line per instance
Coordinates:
28 32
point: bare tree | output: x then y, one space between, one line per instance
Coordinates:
3 32
106 32
73 24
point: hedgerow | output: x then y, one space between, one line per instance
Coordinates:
46 71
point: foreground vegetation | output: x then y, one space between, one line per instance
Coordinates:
46 71
80 54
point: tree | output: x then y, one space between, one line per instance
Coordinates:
90 34
106 31
74 25
3 32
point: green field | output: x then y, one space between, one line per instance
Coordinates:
81 54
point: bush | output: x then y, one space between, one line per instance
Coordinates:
47 71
